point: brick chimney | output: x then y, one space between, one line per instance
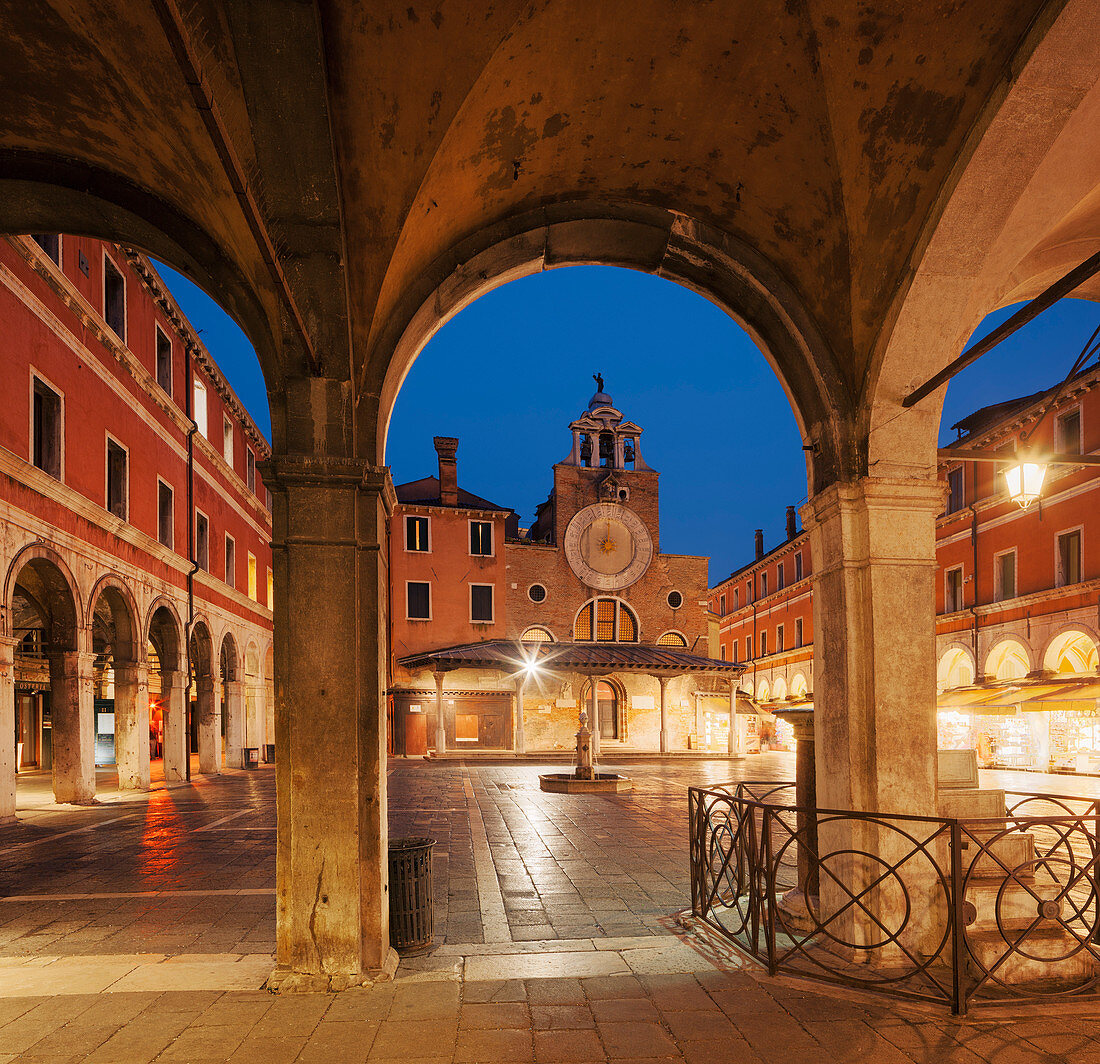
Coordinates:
445 447
792 525
759 544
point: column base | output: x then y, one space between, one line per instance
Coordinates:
286 981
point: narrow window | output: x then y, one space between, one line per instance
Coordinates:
953 601
736 598
722 652
250 469
763 586
481 603
779 583
202 542
722 605
779 639
47 429
198 406
227 440
253 592
481 537
166 515
1006 575
419 594
763 644
270 588
955 490
734 653
164 360
1069 558
230 561
116 478
50 243
416 533
798 566
268 500
114 299
748 648
798 632
1068 435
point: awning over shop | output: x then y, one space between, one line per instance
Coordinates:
1029 696
588 658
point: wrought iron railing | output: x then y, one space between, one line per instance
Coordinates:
934 908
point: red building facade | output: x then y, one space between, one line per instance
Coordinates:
134 529
1017 596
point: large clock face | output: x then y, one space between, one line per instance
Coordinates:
608 546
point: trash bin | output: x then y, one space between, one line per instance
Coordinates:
251 757
411 894
269 753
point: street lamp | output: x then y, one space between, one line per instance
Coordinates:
1025 481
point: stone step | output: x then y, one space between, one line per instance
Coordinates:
1052 958
1016 905
987 855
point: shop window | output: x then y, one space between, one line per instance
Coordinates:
779 582
202 541
230 561
779 639
253 588
953 590
198 406
250 469
1067 432
164 360
47 443
1005 575
166 515
1069 558
481 603
117 478
419 600
955 490
481 538
227 440
798 632
466 727
416 534
50 243
114 299
671 639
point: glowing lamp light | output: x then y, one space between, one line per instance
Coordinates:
1025 482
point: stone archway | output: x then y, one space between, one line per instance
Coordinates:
205 721
164 633
118 647
232 701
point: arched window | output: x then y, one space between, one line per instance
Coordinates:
605 620
672 639
537 634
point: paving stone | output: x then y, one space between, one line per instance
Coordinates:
481 1047
561 1017
635 1040
560 1047
494 1016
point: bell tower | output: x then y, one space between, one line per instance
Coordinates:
605 464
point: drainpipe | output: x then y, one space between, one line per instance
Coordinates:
187 403
974 600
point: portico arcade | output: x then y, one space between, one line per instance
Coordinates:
924 169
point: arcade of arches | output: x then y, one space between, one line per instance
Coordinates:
858 185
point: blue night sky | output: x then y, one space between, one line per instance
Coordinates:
508 374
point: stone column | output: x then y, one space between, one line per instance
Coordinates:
732 747
7 729
330 537
173 699
234 724
805 790
874 558
440 722
132 726
663 681
209 726
594 717
72 705
519 742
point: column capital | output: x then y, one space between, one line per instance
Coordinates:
909 494
131 672
175 678
234 687
328 471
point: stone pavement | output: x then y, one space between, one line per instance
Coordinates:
142 930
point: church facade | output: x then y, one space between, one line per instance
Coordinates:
501 637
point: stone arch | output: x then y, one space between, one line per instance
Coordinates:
673 637
202 648
714 264
799 687
229 658
763 691
112 597
537 633
47 584
1071 651
164 630
956 667
1008 659
1036 143
779 689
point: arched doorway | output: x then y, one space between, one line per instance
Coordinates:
167 690
603 704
